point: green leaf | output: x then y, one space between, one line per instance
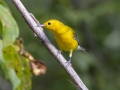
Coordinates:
9 28
3 3
13 78
2 62
18 66
9 71
24 74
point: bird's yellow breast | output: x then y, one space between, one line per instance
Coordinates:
65 39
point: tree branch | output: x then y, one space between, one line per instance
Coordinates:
40 34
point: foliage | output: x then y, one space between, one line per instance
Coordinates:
15 66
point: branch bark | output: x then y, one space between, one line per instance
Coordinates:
42 37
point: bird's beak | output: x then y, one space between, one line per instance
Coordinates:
40 25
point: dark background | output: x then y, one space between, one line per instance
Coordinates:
97 24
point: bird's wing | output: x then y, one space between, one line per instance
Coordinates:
75 37
74 34
79 47
70 29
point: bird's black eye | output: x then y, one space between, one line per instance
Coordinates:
49 23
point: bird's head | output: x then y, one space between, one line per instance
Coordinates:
52 25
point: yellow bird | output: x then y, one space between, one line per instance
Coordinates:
64 35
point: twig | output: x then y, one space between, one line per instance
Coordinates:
40 34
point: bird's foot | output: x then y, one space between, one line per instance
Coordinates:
68 63
59 51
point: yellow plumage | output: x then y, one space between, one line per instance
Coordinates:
64 35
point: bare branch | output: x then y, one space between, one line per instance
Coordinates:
40 34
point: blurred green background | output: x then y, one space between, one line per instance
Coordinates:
97 23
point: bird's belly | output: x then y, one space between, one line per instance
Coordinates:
66 42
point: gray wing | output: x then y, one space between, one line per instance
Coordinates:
75 37
79 47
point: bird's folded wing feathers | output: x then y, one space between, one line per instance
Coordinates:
79 47
75 37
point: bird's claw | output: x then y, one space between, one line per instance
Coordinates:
68 63
59 51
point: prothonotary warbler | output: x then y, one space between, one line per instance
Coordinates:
65 36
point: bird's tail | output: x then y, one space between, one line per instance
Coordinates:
82 49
